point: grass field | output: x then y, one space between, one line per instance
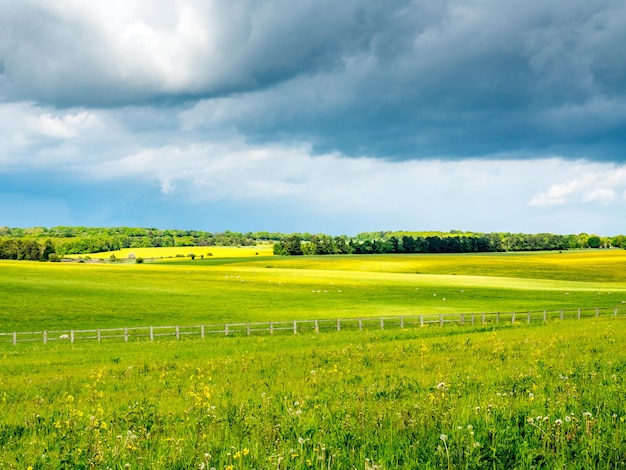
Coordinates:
547 395
38 296
524 397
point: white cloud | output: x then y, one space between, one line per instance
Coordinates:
166 186
27 119
331 183
64 125
601 195
41 137
590 183
200 167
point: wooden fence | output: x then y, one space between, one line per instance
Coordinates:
153 333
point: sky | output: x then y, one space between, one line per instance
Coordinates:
314 116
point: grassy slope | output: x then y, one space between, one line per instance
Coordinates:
604 266
49 295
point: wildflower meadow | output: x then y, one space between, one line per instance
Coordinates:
519 396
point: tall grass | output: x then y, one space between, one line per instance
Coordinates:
525 397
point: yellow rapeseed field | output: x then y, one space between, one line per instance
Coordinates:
184 252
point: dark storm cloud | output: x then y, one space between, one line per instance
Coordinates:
399 79
122 53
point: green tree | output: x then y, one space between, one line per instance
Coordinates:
48 249
28 250
582 240
279 249
594 241
408 244
619 241
290 246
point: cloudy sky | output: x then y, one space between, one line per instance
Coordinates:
314 115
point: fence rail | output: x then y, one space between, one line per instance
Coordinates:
153 333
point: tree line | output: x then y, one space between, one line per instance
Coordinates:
450 242
44 244
38 243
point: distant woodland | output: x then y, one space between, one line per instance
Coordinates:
51 244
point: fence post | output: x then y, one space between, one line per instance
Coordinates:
545 316
483 318
597 312
561 314
360 324
225 329
338 324
248 329
382 323
71 336
615 312
472 318
295 327
202 331
579 313
528 318
317 326
421 320
497 317
14 338
513 318
271 328
441 319
45 337
98 334
125 335
151 333
462 319
401 322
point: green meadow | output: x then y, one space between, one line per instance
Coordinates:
520 396
484 396
37 296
